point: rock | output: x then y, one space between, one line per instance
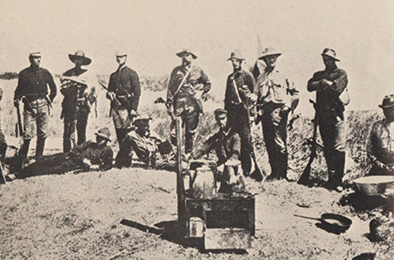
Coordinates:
381 229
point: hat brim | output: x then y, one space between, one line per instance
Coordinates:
103 136
384 107
140 120
85 60
235 58
332 57
270 54
180 54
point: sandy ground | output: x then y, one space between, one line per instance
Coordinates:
96 215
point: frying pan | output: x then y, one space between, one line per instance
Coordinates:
331 222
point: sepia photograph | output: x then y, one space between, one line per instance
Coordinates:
196 129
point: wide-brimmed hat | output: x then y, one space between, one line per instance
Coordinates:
236 55
104 132
35 54
330 53
180 54
270 52
388 102
80 54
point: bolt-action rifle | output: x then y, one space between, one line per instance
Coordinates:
304 178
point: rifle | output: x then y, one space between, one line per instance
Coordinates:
115 103
256 174
19 126
304 178
160 100
72 79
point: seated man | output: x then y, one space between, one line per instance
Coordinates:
146 145
380 145
84 157
227 144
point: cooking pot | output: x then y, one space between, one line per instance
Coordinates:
374 185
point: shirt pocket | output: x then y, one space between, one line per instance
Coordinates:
278 93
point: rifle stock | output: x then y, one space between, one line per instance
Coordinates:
19 127
304 178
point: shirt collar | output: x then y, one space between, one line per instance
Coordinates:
122 67
226 133
34 69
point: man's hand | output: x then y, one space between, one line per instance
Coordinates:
326 83
253 98
87 163
133 113
383 166
94 167
111 95
16 102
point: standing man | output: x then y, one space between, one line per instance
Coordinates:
238 101
277 97
187 87
32 89
329 85
3 142
76 103
380 145
124 91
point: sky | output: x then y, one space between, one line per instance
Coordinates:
151 32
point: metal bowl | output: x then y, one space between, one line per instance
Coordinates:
374 185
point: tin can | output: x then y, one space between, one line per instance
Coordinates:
196 227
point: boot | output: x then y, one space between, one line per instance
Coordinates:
339 168
40 146
66 145
119 135
24 149
3 150
331 180
282 166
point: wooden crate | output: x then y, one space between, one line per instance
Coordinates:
229 221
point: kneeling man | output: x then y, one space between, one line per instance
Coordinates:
380 145
227 145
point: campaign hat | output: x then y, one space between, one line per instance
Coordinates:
270 51
330 53
185 50
85 60
236 55
388 102
104 132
